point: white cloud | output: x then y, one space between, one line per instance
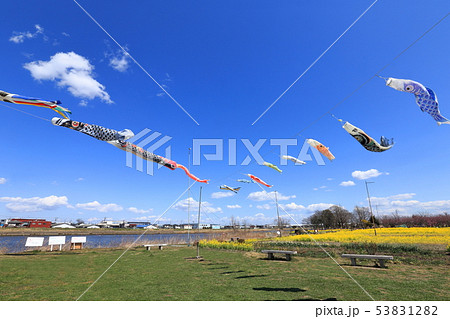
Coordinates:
319 206
347 183
144 218
233 206
255 219
367 174
139 211
119 62
34 204
93 219
103 208
403 203
402 196
2 180
79 179
72 71
292 207
329 179
222 194
19 37
265 206
386 201
263 195
167 79
192 204
407 203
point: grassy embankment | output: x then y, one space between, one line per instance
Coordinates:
237 271
222 275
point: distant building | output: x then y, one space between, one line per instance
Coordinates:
206 226
139 224
112 224
142 225
63 225
29 223
4 222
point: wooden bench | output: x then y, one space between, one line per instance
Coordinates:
160 246
288 253
380 258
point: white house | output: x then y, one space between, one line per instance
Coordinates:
64 225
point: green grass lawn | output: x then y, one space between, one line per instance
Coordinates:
222 275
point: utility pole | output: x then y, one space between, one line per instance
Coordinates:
370 206
189 198
198 221
278 215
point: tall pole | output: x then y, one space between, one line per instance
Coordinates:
370 206
189 198
278 214
198 221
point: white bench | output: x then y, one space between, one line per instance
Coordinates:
380 258
160 246
287 253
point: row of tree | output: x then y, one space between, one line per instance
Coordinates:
361 217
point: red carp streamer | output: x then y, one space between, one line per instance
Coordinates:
256 179
195 178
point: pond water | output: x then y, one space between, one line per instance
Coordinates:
16 244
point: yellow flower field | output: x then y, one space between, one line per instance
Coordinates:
401 236
214 243
414 235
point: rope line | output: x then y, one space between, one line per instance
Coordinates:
349 95
21 111
376 73
137 63
323 249
131 245
315 61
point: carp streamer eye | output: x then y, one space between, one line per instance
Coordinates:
409 88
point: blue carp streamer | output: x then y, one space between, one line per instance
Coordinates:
425 97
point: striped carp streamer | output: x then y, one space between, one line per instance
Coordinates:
118 139
24 100
426 99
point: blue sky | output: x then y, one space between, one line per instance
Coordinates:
225 62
